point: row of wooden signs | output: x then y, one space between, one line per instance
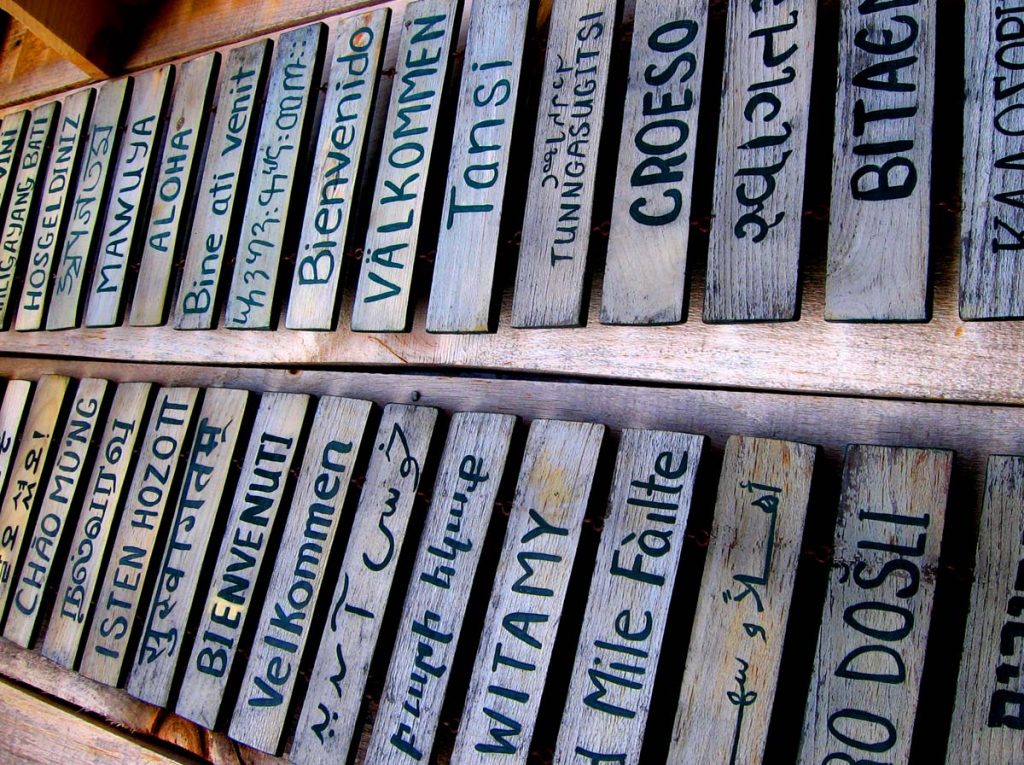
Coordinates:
136 604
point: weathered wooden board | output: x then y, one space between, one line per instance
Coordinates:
223 182
50 223
309 534
90 191
126 583
443 576
294 73
135 159
867 670
645 273
430 29
560 195
11 133
738 634
12 413
460 294
183 145
21 497
627 608
881 163
989 712
334 696
355 63
163 639
250 526
60 505
529 591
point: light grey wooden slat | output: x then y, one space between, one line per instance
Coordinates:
627 608
560 195
867 669
732 669
163 639
881 163
294 73
126 581
100 508
250 527
429 32
224 174
179 161
11 133
355 60
330 712
12 414
645 272
90 190
74 450
460 294
529 591
443 575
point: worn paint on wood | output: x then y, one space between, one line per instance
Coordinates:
12 413
11 133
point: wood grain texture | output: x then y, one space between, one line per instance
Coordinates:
12 413
77 31
738 634
881 163
334 695
525 609
11 133
871 645
630 590
443 575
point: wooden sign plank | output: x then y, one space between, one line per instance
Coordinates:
135 159
11 133
100 147
60 501
443 575
12 413
309 534
23 197
163 640
867 670
560 196
183 142
732 669
355 58
460 294
334 696
126 582
251 521
50 224
645 273
881 166
528 594
989 712
627 607
430 28
100 509
224 173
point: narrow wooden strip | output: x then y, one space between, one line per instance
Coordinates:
460 294
183 145
881 169
560 195
60 505
443 575
12 413
867 670
645 272
135 160
90 191
100 509
528 594
11 133
732 669
430 29
334 696
627 608
51 222
355 59
250 526
163 639
224 173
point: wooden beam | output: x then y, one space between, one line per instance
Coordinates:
74 30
